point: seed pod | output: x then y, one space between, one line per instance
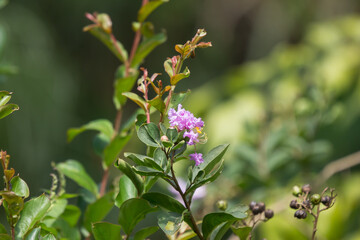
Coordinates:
306 188
326 200
269 213
294 204
296 191
300 214
222 205
315 199
261 206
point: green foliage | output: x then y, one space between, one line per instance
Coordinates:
6 109
106 231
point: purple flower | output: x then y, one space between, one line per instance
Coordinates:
184 120
198 194
197 157
193 137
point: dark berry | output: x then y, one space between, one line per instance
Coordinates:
306 188
307 203
326 200
256 210
252 205
269 213
300 214
315 199
261 206
294 204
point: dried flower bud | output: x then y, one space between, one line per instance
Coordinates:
296 191
269 213
300 214
294 204
315 199
326 200
222 205
306 188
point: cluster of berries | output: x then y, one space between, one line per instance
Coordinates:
305 203
258 208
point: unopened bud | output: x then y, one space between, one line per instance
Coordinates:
222 205
164 138
306 188
105 22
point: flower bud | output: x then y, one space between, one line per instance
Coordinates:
306 188
294 204
269 213
296 191
164 138
315 199
300 214
222 205
326 200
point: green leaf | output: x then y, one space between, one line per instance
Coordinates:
34 234
5 97
242 232
168 67
212 220
150 135
160 158
106 39
13 205
170 223
34 210
149 182
176 78
147 171
19 187
172 134
133 211
178 98
146 47
138 159
136 99
7 109
49 236
148 8
5 236
76 172
221 230
158 103
122 85
127 190
66 231
98 210
71 215
106 231
102 125
164 201
211 160
125 168
56 209
3 3
115 147
2 229
145 232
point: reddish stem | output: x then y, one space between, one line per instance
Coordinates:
104 182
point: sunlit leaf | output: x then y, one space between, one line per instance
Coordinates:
176 78
170 223
106 231
102 125
148 8
19 187
7 109
127 190
125 168
136 99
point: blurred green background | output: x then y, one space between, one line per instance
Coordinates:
281 84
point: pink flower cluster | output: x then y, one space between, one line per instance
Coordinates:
185 120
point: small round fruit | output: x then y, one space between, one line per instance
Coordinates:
296 191
294 204
315 199
269 213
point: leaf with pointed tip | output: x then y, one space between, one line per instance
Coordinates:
108 42
102 125
242 232
76 172
132 212
106 231
148 8
5 97
19 187
145 232
49 236
57 208
122 85
146 47
170 223
136 99
7 109
127 190
115 147
34 210
125 168
158 103
71 215
34 234
98 210
176 78
164 201
149 134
